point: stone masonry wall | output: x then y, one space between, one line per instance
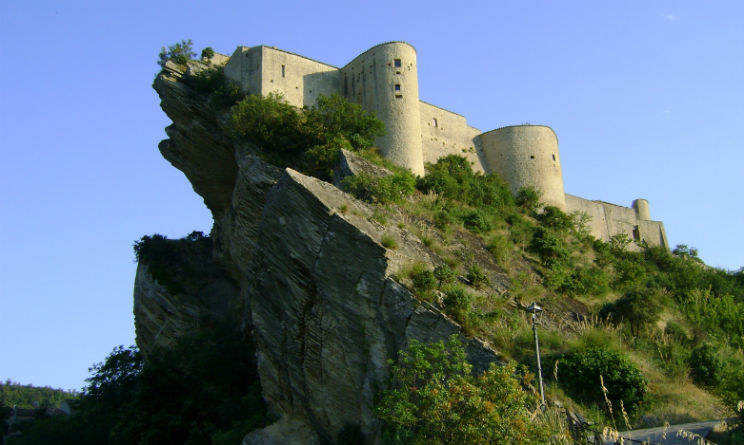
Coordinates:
610 219
444 133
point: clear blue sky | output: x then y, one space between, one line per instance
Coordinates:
646 98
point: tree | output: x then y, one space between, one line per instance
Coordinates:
435 399
180 53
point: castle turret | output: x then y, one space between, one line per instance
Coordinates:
526 155
384 80
642 210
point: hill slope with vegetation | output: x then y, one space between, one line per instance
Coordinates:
630 336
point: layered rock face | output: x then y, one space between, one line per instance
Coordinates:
315 286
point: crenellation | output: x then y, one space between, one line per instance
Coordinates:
384 81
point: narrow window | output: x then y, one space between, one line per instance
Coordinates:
553 158
397 87
636 233
396 62
435 123
282 70
399 96
532 156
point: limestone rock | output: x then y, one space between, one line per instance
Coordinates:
303 264
350 164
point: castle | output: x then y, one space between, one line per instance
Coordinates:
384 80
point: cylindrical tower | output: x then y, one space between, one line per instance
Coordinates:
642 210
384 80
526 155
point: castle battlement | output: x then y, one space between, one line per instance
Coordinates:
384 81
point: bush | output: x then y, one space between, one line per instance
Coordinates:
388 242
271 123
706 367
555 219
457 302
335 115
638 308
477 277
435 399
528 198
180 53
207 53
476 221
579 373
382 189
444 274
546 244
453 178
423 280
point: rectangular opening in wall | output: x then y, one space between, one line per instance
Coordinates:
396 62
399 96
435 123
532 156
553 158
397 87
282 70
636 233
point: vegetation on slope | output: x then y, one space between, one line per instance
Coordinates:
202 390
31 397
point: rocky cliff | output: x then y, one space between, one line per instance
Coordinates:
303 266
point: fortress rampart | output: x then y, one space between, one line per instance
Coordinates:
384 80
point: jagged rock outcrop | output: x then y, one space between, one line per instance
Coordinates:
317 287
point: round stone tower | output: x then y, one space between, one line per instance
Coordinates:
642 210
384 80
526 155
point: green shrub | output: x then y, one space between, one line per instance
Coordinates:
444 275
207 53
180 53
453 178
546 244
579 373
423 280
706 366
555 219
457 301
477 277
335 115
382 189
435 399
528 198
388 242
638 308
271 123
476 221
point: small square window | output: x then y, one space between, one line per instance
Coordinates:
396 62
397 87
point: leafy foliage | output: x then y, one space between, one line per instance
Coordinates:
435 399
639 308
381 189
28 396
580 370
204 389
308 140
706 367
180 53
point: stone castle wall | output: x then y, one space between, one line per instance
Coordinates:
526 155
384 80
610 219
444 133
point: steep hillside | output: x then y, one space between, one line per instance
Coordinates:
330 281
